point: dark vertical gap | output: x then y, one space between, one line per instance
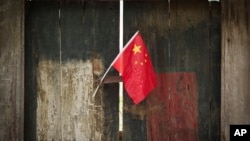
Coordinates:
60 50
215 68
169 61
120 135
210 67
29 72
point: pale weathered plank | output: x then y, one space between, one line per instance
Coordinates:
235 65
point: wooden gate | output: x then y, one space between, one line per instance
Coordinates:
70 44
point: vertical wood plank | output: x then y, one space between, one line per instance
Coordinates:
173 115
190 52
235 64
69 51
151 19
182 44
105 46
43 81
11 69
78 106
215 78
81 65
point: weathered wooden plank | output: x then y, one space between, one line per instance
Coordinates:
79 107
215 78
112 79
66 46
88 34
189 28
77 77
151 19
191 51
105 46
180 43
11 69
235 65
48 113
43 81
173 108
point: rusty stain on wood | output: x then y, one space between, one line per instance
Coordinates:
98 66
177 95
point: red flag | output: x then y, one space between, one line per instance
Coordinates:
137 72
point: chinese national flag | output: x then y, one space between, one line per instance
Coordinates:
135 66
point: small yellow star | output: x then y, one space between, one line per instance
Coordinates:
136 49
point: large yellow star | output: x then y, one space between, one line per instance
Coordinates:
136 49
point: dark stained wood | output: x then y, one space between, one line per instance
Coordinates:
171 50
106 44
71 52
180 40
11 69
151 19
67 50
215 77
88 35
112 79
41 54
173 113
193 48
235 77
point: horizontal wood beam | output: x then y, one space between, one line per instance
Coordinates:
112 79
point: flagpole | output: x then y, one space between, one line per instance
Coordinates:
121 83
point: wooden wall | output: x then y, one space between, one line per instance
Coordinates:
11 69
69 45
235 64
234 80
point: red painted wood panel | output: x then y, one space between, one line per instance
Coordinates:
174 108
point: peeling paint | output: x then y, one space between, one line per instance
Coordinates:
66 109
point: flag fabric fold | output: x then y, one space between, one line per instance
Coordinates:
136 69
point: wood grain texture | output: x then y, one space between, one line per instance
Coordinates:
11 69
64 51
182 36
173 110
235 64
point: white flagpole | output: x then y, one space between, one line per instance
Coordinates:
121 83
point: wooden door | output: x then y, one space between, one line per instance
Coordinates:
69 45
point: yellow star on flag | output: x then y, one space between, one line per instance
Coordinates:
136 49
